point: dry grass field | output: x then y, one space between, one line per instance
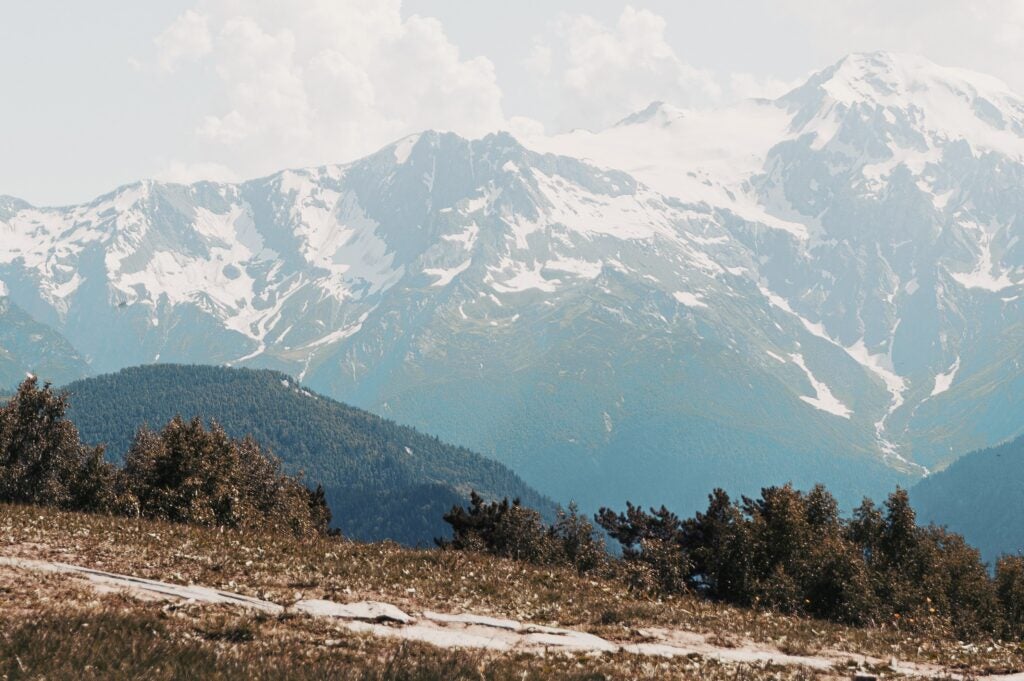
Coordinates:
55 626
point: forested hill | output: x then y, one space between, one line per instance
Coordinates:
980 496
383 480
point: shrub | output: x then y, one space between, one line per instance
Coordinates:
791 551
1009 584
577 543
653 544
186 473
510 530
718 544
501 529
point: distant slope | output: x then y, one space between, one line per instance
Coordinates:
27 346
383 481
980 496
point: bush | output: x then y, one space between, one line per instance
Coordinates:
504 529
42 460
577 543
653 545
186 473
1009 583
510 530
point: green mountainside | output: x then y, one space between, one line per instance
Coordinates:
980 496
382 480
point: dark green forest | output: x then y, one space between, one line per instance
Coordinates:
381 480
981 496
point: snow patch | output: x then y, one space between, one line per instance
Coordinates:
466 237
689 299
880 365
520 277
945 380
823 398
340 334
573 266
403 148
445 276
985 275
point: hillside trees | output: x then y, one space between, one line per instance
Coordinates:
381 480
511 530
1010 592
791 551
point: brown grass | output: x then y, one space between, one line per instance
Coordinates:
119 639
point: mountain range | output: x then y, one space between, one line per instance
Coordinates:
821 287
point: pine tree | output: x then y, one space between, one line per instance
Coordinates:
42 460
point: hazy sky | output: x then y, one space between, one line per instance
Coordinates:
99 93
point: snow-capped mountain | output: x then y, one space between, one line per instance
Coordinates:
822 287
882 199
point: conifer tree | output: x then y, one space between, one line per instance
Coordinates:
42 460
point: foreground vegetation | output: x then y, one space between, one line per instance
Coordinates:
177 638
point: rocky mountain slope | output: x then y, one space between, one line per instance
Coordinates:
824 287
26 344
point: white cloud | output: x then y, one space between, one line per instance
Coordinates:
983 35
601 73
524 128
186 173
319 81
747 86
187 39
539 59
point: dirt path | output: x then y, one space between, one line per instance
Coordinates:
475 631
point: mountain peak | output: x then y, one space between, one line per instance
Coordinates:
657 112
907 100
888 78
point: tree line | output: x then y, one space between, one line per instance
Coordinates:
185 472
787 550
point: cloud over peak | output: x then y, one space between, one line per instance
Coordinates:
321 81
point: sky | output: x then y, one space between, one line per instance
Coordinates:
99 94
